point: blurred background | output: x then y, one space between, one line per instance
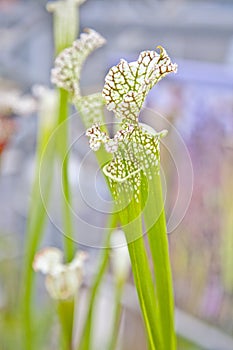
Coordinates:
197 102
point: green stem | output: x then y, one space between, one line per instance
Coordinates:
65 310
141 272
35 226
85 343
116 314
62 145
37 212
157 236
66 25
66 28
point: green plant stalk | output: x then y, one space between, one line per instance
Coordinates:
35 226
227 247
226 242
37 212
62 148
141 271
85 343
155 223
65 309
119 288
65 24
66 29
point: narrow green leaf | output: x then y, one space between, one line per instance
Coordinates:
157 236
86 341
